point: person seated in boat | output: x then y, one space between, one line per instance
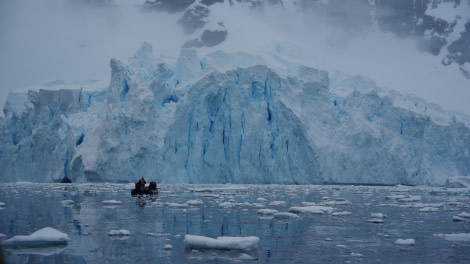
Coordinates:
153 187
140 185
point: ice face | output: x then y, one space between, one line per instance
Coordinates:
228 118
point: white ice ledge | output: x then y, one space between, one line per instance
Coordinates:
222 243
42 238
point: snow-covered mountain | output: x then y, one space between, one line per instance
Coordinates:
439 27
261 92
228 118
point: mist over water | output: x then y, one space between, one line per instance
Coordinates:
74 40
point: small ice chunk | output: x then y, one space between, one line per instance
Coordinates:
378 215
177 205
464 214
460 237
244 256
277 203
111 202
157 204
428 209
410 198
341 213
314 209
285 216
458 219
226 205
223 243
120 232
168 247
265 212
395 197
42 238
405 242
258 205
375 220
262 200
195 202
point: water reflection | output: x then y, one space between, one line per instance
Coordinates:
158 224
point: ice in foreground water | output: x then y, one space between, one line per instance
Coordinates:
231 223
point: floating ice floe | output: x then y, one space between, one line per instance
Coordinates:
395 197
157 204
120 232
227 204
458 219
464 215
220 256
341 213
177 205
285 216
375 220
168 247
460 237
195 202
405 242
111 202
277 203
2 205
337 201
157 234
428 209
266 212
222 243
378 215
314 209
44 237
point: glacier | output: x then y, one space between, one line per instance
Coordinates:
228 118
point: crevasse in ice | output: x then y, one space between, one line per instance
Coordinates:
227 118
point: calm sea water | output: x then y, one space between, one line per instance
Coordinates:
352 233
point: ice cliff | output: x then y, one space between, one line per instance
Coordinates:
227 118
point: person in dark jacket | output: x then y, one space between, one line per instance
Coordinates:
140 186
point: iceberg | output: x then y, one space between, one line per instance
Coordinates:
221 243
228 118
44 237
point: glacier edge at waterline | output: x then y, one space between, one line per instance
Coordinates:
227 118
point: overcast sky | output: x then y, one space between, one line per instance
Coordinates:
61 40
